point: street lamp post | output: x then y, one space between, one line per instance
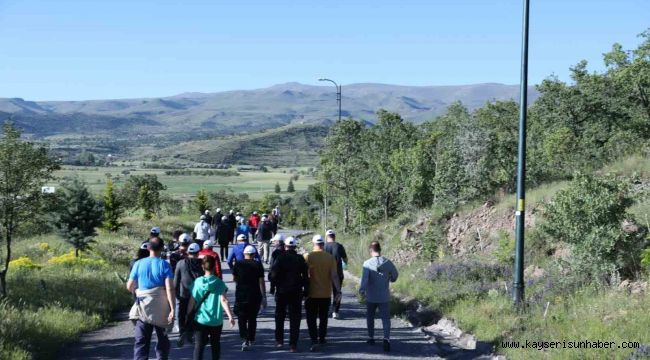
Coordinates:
338 93
518 285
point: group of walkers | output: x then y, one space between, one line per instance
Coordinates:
184 281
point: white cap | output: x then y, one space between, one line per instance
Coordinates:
224 218
264 218
207 212
330 232
231 211
202 217
194 248
278 237
144 246
254 212
237 218
185 238
291 241
317 239
242 237
208 244
155 230
218 209
250 250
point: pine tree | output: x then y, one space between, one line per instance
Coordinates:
201 201
77 215
277 188
290 187
112 208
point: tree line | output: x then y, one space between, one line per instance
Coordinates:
372 173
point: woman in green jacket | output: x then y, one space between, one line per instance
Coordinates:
209 292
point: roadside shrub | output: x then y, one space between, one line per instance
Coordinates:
23 262
588 216
69 259
505 252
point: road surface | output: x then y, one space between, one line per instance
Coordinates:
346 338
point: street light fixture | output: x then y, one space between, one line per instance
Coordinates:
338 93
518 284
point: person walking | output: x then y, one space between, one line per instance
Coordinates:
207 304
216 219
232 224
242 228
289 278
237 253
151 279
278 247
208 251
202 230
338 251
250 295
264 235
224 237
184 241
253 222
378 273
322 277
208 217
187 270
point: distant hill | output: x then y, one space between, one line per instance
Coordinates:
289 145
246 110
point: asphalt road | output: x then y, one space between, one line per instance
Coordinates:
346 338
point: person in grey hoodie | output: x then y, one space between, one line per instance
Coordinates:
187 270
378 273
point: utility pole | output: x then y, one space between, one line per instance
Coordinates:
518 284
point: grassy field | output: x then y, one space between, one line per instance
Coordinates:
253 183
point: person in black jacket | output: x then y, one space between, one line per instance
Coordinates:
232 222
224 237
264 235
187 270
290 279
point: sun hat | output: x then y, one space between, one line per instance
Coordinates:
194 248
250 250
317 239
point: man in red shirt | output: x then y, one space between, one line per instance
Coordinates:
253 223
207 251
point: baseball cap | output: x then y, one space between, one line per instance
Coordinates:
242 237
291 241
218 209
264 218
144 246
208 244
250 250
155 230
231 211
317 239
278 237
224 218
185 238
330 232
202 217
194 248
207 212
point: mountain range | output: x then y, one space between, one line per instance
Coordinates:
230 112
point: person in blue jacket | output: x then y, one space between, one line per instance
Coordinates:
242 228
237 253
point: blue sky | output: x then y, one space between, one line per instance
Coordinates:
92 49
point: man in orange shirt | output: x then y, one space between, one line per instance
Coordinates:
323 275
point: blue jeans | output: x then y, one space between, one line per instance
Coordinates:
384 314
143 333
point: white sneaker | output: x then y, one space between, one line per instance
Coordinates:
245 346
335 315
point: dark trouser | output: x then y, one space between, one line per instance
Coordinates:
182 314
223 251
253 235
143 334
317 308
384 314
247 319
293 301
204 332
337 304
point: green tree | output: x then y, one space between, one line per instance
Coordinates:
290 187
24 169
86 158
277 188
77 214
342 162
148 188
588 216
113 210
201 201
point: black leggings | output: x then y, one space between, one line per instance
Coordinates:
203 332
223 251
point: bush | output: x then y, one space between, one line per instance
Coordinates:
23 262
69 259
505 252
588 216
